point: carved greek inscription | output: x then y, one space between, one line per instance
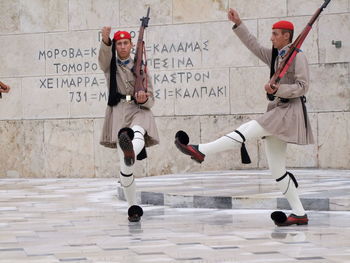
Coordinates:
183 81
81 88
174 68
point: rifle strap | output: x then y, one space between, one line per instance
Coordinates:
274 52
273 60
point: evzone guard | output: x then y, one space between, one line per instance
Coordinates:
129 124
285 120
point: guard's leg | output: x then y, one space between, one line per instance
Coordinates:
138 141
251 129
127 179
276 157
133 140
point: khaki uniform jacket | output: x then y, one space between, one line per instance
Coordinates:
283 120
125 114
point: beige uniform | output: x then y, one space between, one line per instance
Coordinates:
283 120
125 114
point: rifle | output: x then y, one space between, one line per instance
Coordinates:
140 66
294 49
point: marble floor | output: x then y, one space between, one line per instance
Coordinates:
320 190
83 220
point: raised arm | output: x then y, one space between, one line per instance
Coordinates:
248 39
4 88
105 52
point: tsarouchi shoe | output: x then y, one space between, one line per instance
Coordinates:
280 219
181 142
125 137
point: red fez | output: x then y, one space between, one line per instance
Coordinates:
283 25
121 35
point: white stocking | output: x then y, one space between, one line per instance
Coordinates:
127 178
251 129
276 157
139 141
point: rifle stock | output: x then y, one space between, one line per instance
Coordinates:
139 68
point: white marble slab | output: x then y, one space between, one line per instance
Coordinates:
40 102
259 8
69 148
247 93
299 7
333 140
93 14
19 56
44 15
334 28
187 11
329 88
10 17
34 155
11 145
224 49
131 11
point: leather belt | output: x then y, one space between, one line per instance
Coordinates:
127 98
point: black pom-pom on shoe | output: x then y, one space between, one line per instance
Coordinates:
278 217
135 212
181 142
129 131
182 137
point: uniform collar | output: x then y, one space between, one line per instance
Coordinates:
123 62
283 50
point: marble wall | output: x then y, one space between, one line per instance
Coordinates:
206 82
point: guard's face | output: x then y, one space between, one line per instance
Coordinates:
123 47
279 39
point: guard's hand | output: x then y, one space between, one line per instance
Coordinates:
4 88
233 16
141 97
106 31
271 89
